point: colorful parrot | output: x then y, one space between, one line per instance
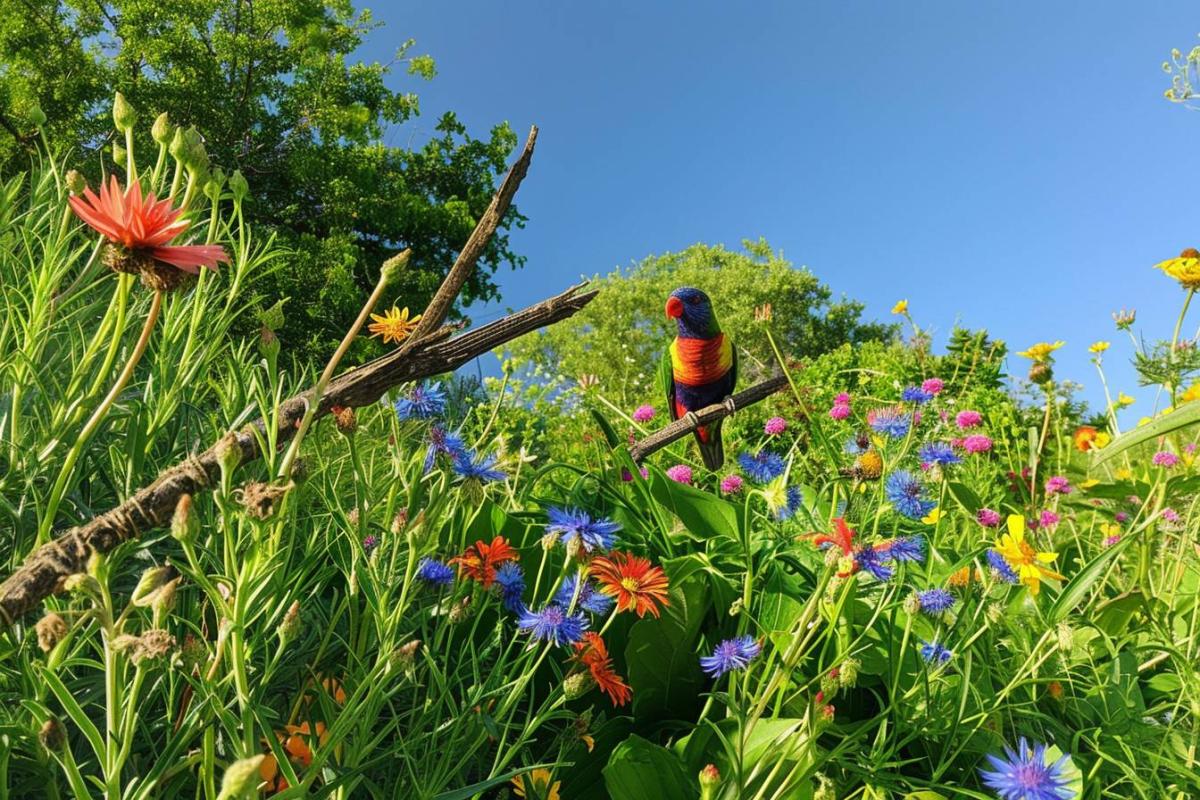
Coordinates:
700 367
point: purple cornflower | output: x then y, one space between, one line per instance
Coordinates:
422 402
443 442
1058 485
977 443
934 653
590 598
987 517
762 467
968 419
775 426
731 484
907 495
680 473
643 413
572 523
935 601
1002 569
893 422
435 573
1165 459
938 453
933 385
553 624
510 579
729 655
1024 774
915 394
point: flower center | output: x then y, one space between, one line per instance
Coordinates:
630 584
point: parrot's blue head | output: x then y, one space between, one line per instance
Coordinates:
693 313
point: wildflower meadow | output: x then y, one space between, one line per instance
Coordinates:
885 568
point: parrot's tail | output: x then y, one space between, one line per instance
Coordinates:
712 449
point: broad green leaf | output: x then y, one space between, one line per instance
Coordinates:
639 769
705 515
964 496
1188 414
610 435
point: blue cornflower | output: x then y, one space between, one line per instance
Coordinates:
590 598
1025 775
879 558
511 580
435 573
1001 567
934 653
906 494
795 499
571 523
443 442
729 655
422 402
893 422
553 624
938 453
856 445
915 394
871 560
481 468
935 601
762 467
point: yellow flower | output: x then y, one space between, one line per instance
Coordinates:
932 517
1110 529
393 325
1101 439
1040 352
1123 400
1023 558
775 493
1185 269
1123 474
1192 393
901 307
539 779
1089 483
1099 347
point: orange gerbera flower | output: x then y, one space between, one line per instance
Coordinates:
593 654
139 228
479 561
636 585
843 539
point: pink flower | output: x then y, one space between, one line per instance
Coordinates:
1048 519
1121 516
839 411
680 473
625 476
1058 485
1170 515
968 419
842 399
988 518
643 414
977 443
933 385
1109 541
731 484
1165 459
1189 448
775 426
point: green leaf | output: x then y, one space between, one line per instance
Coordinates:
639 769
1083 581
75 712
467 792
704 515
610 435
964 496
1188 414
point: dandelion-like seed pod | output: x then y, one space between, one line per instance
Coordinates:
51 629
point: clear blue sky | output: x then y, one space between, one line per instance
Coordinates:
1006 165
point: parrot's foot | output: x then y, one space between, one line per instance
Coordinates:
691 419
729 404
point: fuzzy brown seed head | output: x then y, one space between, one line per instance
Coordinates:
163 277
1040 373
406 654
400 520
259 499
153 644
52 736
51 629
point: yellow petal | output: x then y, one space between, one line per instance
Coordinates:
1016 528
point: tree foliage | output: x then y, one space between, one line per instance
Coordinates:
274 88
621 335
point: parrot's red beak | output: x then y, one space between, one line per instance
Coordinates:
674 308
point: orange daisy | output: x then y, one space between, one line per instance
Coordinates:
479 561
636 584
593 654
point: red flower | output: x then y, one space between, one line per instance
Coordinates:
143 224
843 539
593 654
636 585
479 561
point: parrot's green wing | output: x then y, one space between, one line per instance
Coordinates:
666 381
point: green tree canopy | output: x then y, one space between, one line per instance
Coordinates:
273 87
620 336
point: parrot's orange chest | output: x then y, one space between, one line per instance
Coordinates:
697 362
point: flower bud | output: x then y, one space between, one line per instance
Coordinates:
710 781
51 629
178 146
75 182
549 541
52 736
162 130
84 584
148 587
36 117
577 685
272 318
184 524
1041 373
238 186
229 455
289 628
460 611
391 268
848 672
573 546
192 654
241 779
268 343
406 655
1066 637
124 115
344 419
912 604
215 184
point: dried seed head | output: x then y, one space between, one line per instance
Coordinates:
344 419
51 629
405 655
52 736
260 499
400 520
153 644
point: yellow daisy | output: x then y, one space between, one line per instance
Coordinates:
1040 352
1027 562
932 517
540 780
1192 393
393 325
1185 269
901 307
1123 400
1099 347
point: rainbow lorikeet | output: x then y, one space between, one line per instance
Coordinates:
699 368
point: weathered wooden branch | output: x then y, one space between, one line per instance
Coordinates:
429 353
685 425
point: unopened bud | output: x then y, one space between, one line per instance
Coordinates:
85 584
178 146
148 586
52 736
214 184
406 654
51 629
268 343
124 115
573 546
184 525
460 611
75 182
37 117
577 685
1041 373
162 130
344 419
192 653
1066 637
390 270
241 779
912 604
848 672
549 541
229 455
400 520
710 780
289 628
238 186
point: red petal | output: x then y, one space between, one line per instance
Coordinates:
190 258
